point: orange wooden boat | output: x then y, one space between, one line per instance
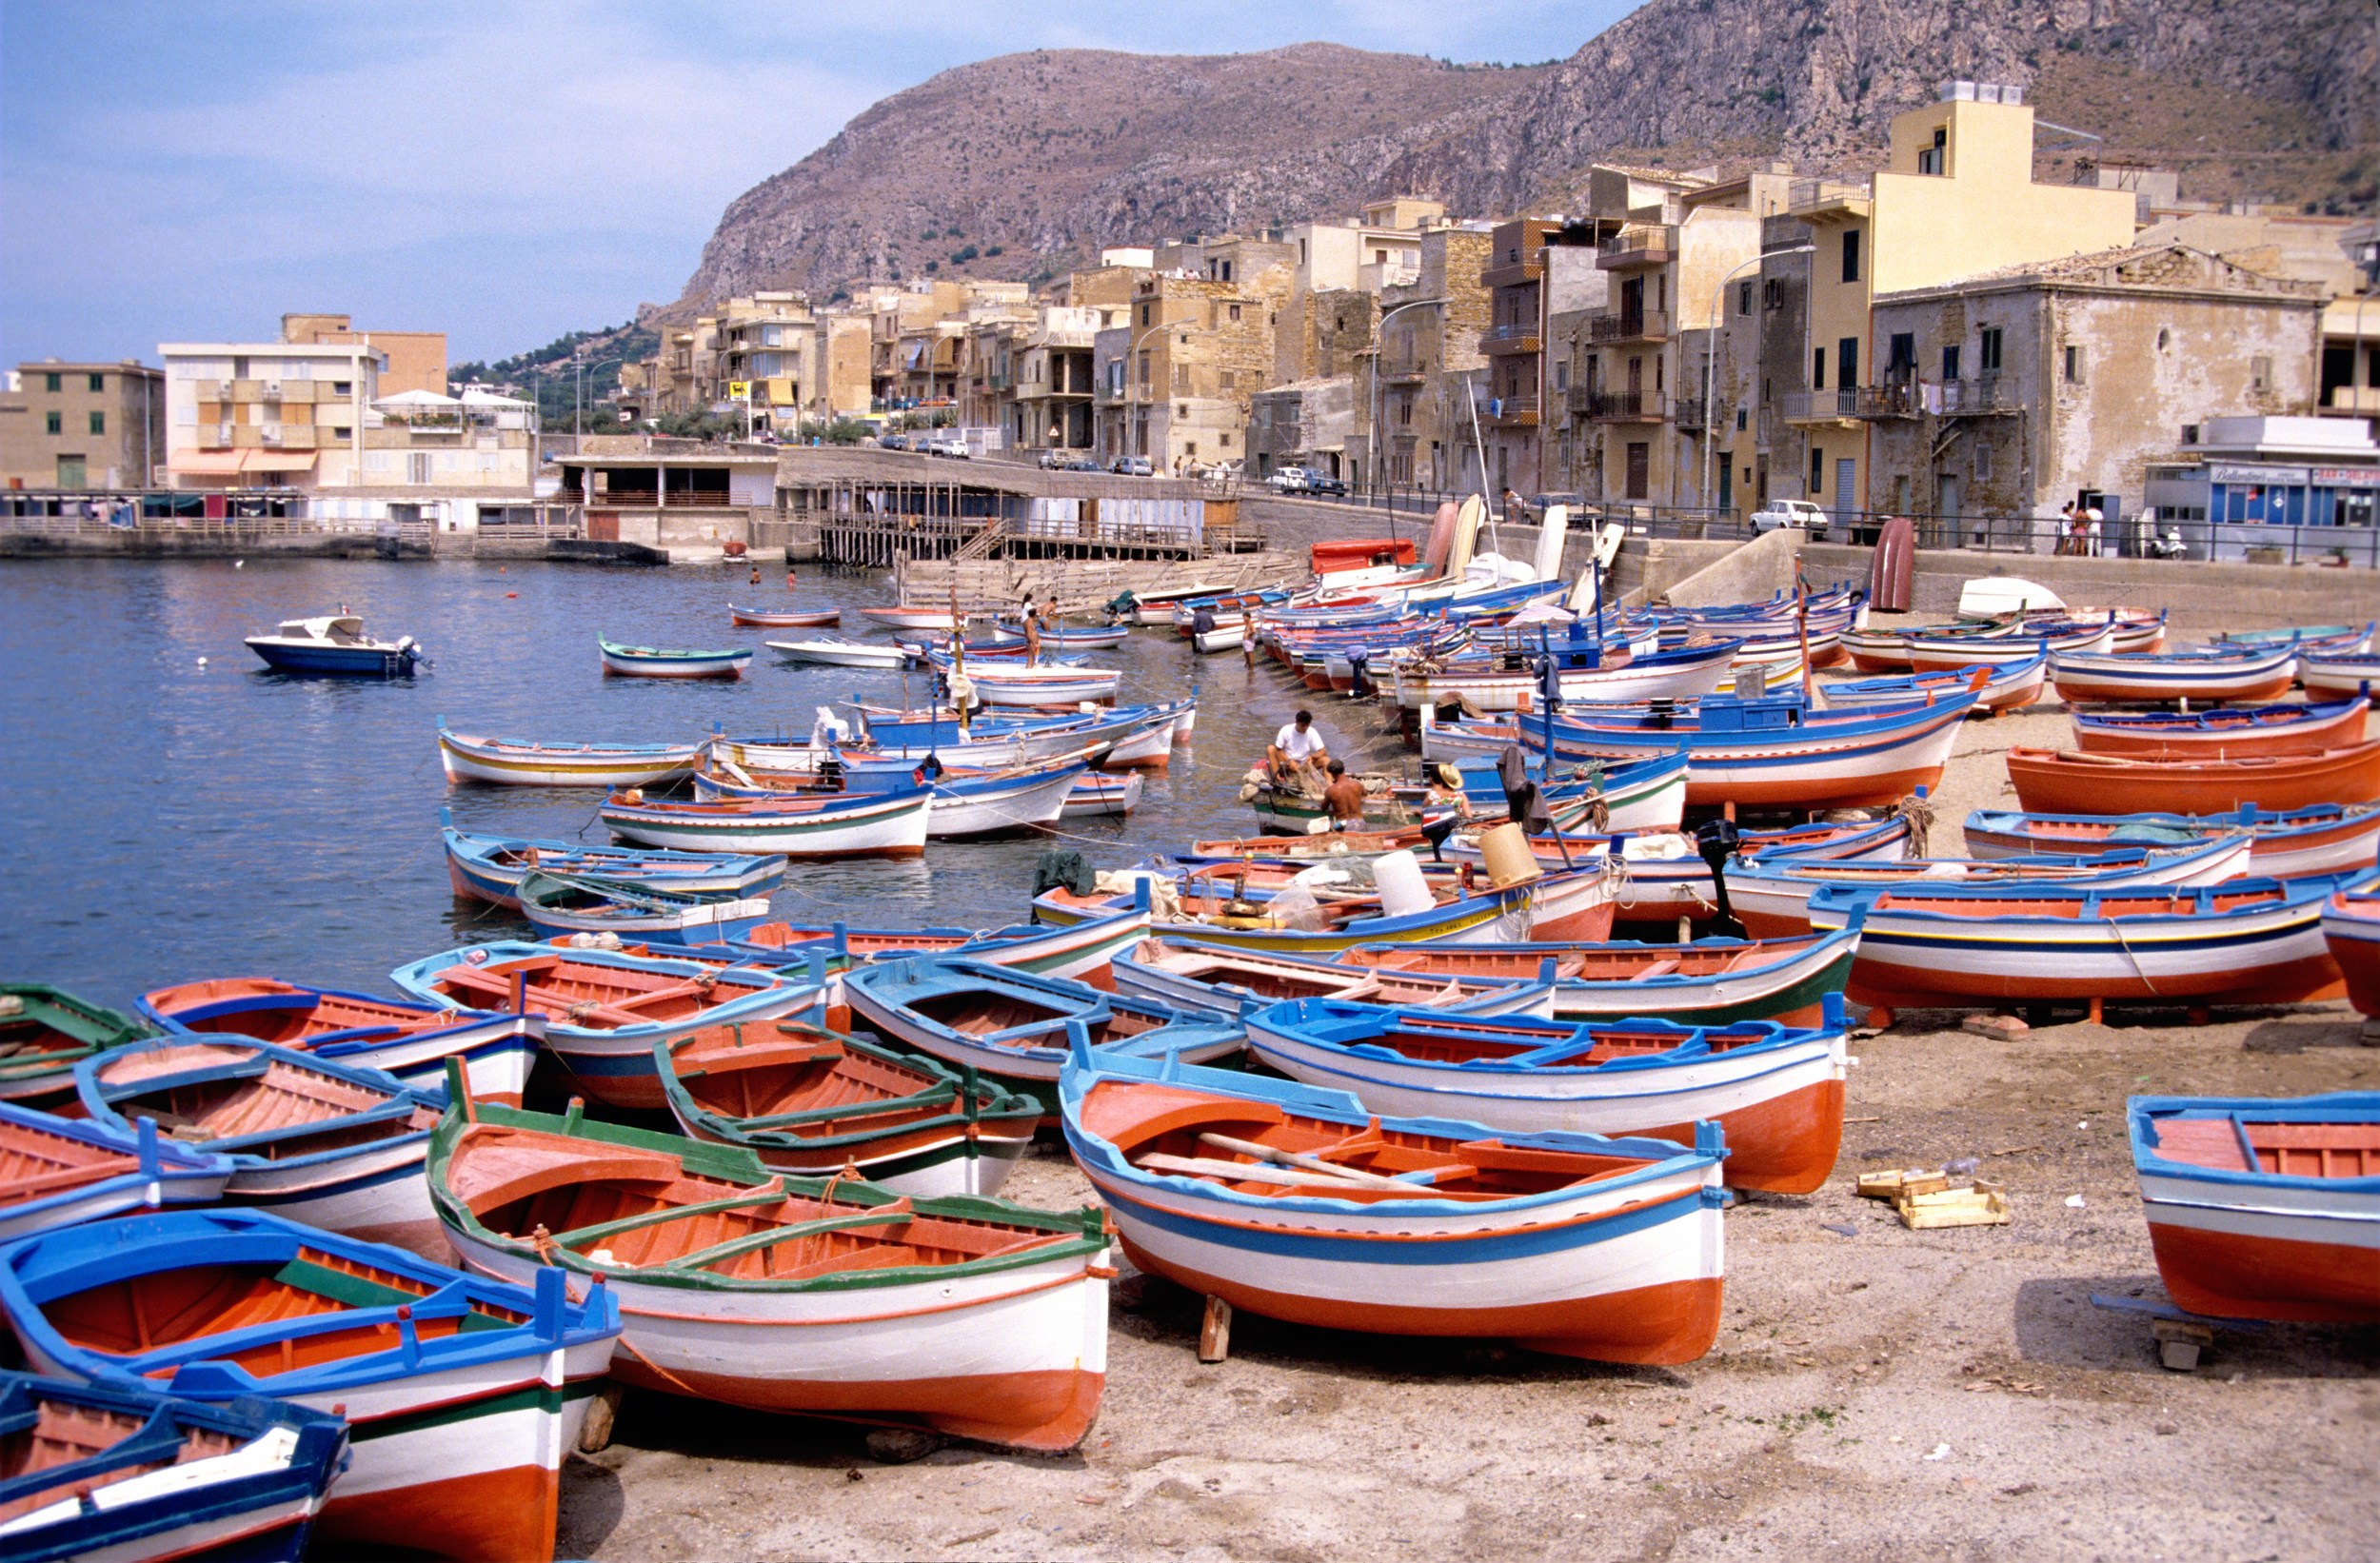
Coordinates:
57 1171
2070 782
44 1033
2226 733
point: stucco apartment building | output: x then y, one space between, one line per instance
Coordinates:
1178 374
1539 268
83 426
1415 391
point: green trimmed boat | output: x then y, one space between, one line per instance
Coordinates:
45 1031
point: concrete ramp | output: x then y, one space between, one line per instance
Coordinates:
1750 572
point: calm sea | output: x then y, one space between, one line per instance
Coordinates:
179 813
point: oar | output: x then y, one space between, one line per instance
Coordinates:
1295 1159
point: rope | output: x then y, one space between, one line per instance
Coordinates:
1919 813
2116 925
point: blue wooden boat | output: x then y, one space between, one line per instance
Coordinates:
488 867
331 1146
1010 1026
335 644
558 905
2011 684
462 1392
56 1171
132 1475
653 661
2289 843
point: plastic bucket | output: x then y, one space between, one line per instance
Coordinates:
1510 861
1403 890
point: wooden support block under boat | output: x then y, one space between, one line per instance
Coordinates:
1214 1331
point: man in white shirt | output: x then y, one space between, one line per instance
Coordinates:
1297 748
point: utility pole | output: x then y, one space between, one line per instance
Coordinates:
577 397
1379 405
1710 361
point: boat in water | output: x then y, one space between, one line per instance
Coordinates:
650 662
877 824
335 644
45 1031
518 762
784 618
409 1039
558 905
489 867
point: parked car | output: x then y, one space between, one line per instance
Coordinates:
892 442
1052 460
1305 480
1132 466
947 445
1796 513
1084 464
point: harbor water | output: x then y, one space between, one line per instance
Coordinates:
181 813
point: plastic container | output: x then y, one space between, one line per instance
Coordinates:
1505 850
1403 890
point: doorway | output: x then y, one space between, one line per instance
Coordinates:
1846 487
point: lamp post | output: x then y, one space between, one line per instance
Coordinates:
1711 353
1380 401
1132 350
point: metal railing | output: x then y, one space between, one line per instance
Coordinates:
1629 326
1687 411
1822 403
1922 398
1628 407
1513 331
1652 241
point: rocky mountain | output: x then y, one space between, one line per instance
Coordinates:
1021 166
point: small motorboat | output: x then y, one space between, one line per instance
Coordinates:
1010 1026
784 618
489 868
2225 733
2076 781
1710 981
517 762
1298 1204
831 1297
44 1033
56 1171
2263 1208
815 1103
409 1039
836 651
1187 974
133 1474
2285 844
651 662
911 618
1778 1092
461 1394
335 644
321 1143
2350 926
874 824
558 905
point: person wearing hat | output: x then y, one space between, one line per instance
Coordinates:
1445 789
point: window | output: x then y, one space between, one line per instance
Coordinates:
1847 363
1144 314
343 387
2259 376
1987 355
1983 464
1144 375
1818 472
1931 160
1743 297
99 382
1818 369
1639 470
1235 311
1743 418
1773 293
2074 363
342 432
1904 354
52 381
1851 254
1950 363
1562 375
54 422
99 423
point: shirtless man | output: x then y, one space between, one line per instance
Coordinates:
1343 798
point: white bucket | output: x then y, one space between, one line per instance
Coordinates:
1403 890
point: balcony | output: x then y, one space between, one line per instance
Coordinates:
1401 372
1510 413
1830 200
1687 412
1628 407
1519 337
1822 407
1512 268
1629 326
1920 399
1654 243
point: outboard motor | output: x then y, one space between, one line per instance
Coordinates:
1717 840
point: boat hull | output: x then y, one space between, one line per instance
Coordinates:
2351 933
469 759
630 666
337 662
2053 783
890 828
2224 735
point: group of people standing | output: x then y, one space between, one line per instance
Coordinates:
2078 530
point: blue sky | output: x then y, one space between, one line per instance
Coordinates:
503 172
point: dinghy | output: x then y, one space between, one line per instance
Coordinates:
2285 844
605 1009
838 651
515 762
2224 734
2072 781
1043 685
484 867
1776 1092
1010 1026
44 1033
1708 983
2207 674
558 905
328 1146
132 1475
815 1103
1187 974
910 618
649 662
881 824
461 1394
969 801
1096 796
1298 1204
55 1171
411 1040
827 1296
784 618
1247 923
2261 1208
2350 928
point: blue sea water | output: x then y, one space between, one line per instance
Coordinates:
173 818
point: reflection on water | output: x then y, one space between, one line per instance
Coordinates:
173 820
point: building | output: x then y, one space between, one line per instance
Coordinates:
1305 423
2239 486
1414 424
417 360
766 357
2033 386
1195 350
1538 268
1052 409
83 426
1340 271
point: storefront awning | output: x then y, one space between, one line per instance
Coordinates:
206 463
278 461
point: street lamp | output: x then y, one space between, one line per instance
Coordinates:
1380 399
1132 350
1711 354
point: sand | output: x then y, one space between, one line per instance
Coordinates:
1875 1392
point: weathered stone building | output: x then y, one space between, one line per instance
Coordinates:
1415 391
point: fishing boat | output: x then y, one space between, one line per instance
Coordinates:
489 868
968 801
2205 674
409 1039
1776 1092
335 644
649 662
2075 781
784 618
558 905
1662 874
1771 897
911 618
605 1009
132 1475
2225 733
884 824
44 1033
827 1296
2263 1208
461 1394
56 1171
1010 1026
1875 650
321 1143
2335 675
2248 941
1644 793
1298 1204
516 763
816 1102
1095 795
2284 844
1710 981
838 651
2011 685
1046 685
1189 975
1682 673
2350 927
1244 921
1941 651
2306 638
